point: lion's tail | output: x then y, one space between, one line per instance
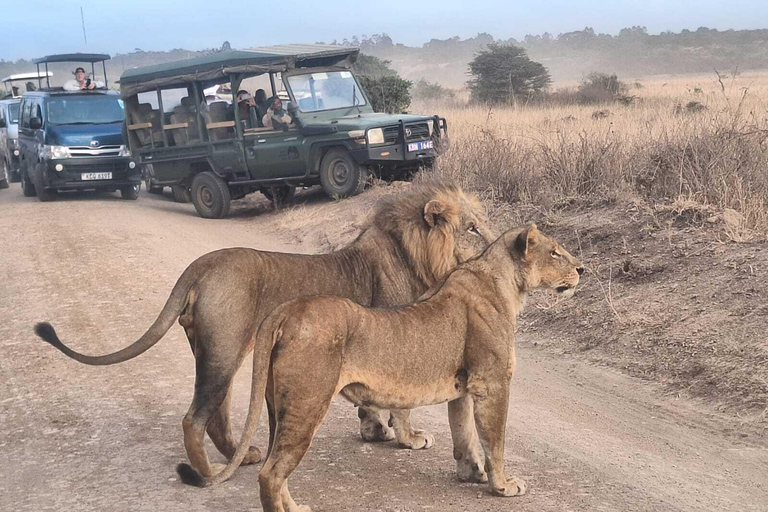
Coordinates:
174 306
268 336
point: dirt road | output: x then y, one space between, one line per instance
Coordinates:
81 438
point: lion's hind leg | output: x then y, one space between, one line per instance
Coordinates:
299 413
220 431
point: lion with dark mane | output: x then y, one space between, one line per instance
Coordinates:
411 244
460 348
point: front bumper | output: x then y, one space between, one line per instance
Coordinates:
405 151
71 176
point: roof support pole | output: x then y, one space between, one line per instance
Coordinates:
162 116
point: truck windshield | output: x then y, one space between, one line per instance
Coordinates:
85 110
326 91
13 111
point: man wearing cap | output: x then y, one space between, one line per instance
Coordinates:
81 82
246 109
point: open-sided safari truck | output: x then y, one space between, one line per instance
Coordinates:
218 151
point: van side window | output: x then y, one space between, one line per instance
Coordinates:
38 111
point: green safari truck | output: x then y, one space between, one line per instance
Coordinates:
201 126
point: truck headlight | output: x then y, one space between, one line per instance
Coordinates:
56 152
376 136
124 151
431 127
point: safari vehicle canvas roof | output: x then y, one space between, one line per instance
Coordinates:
73 57
26 76
217 66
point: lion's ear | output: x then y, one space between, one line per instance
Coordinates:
527 238
433 212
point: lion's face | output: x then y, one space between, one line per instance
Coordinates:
458 230
547 263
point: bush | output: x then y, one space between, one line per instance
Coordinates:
387 93
424 90
602 88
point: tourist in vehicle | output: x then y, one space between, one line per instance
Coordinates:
247 109
81 82
276 118
262 103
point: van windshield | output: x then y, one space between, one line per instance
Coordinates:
13 113
85 110
326 91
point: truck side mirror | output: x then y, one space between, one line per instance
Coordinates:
3 124
35 123
291 107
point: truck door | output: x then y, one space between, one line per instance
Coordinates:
273 154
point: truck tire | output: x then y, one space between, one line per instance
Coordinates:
340 175
210 196
130 192
43 195
181 193
280 194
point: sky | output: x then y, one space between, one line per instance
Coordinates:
35 28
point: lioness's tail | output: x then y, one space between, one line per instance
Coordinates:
171 311
268 335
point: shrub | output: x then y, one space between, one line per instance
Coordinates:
424 90
601 88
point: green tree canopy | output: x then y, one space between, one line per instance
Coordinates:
502 71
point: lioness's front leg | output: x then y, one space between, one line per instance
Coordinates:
406 436
491 420
466 445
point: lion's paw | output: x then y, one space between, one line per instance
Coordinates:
513 487
253 456
299 508
471 471
419 440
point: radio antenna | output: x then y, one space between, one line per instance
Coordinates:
82 18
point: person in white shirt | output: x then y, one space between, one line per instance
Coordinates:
81 82
276 118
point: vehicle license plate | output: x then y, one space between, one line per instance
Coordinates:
419 146
96 176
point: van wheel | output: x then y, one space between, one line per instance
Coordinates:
210 196
43 195
181 193
3 174
340 175
27 186
130 192
280 194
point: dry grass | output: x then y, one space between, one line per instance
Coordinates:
663 148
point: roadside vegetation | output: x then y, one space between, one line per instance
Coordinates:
665 198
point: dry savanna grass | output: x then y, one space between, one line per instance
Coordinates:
652 196
695 140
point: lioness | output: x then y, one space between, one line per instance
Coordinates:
456 344
412 242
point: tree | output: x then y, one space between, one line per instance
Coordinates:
502 72
371 66
386 90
